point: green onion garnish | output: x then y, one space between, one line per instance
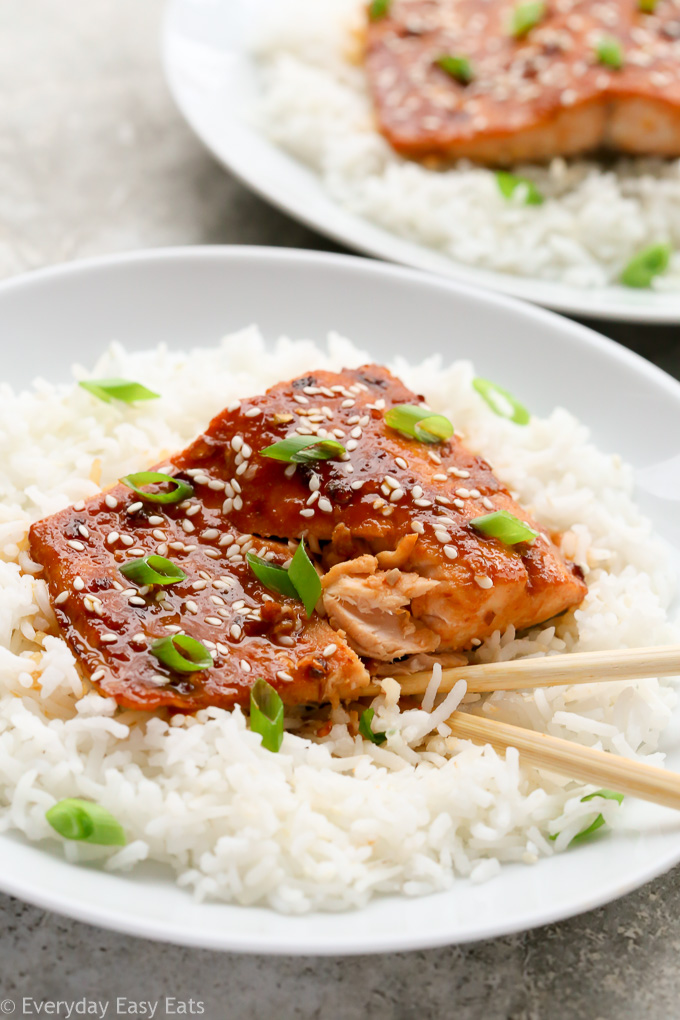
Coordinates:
299 581
181 490
378 9
610 52
304 449
365 728
181 653
501 402
505 527
272 576
526 16
305 578
85 821
647 6
647 264
456 67
153 570
266 715
419 423
118 389
509 183
586 833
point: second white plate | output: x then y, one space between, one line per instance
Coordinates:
214 81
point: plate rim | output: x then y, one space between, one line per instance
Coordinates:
663 309
253 943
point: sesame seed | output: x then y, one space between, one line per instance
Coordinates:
286 641
313 498
138 639
253 412
444 500
475 493
156 520
99 674
134 507
109 639
82 530
422 502
459 472
188 527
135 600
418 527
392 482
235 631
80 505
112 538
214 621
78 546
417 492
434 457
450 552
78 583
329 650
227 506
298 398
211 534
351 445
314 483
483 581
158 534
111 501
127 540
442 536
193 509
245 666
486 502
463 493
396 495
61 598
379 405
356 433
191 606
439 478
162 549
325 505
307 513
356 485
290 470
282 675
136 552
216 484
400 462
246 451
199 585
460 503
348 403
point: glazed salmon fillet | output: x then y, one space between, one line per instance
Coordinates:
110 623
589 74
404 573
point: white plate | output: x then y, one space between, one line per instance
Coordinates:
214 81
189 297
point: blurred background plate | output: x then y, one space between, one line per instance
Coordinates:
190 297
214 81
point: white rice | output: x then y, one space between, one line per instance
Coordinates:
315 104
321 825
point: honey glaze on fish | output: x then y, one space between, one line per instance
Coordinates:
553 90
387 524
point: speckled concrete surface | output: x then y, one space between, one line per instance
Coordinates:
94 159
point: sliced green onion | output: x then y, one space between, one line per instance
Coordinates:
610 52
419 423
379 9
509 183
647 264
304 449
266 715
305 578
181 490
118 389
647 6
505 527
365 728
272 576
586 833
526 16
501 401
181 653
153 570
299 581
85 821
457 67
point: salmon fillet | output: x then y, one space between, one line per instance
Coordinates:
548 92
388 524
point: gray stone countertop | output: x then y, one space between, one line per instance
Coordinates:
94 159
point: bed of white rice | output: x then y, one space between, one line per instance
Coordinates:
315 104
322 825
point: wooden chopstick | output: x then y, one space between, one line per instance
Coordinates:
547 671
574 760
